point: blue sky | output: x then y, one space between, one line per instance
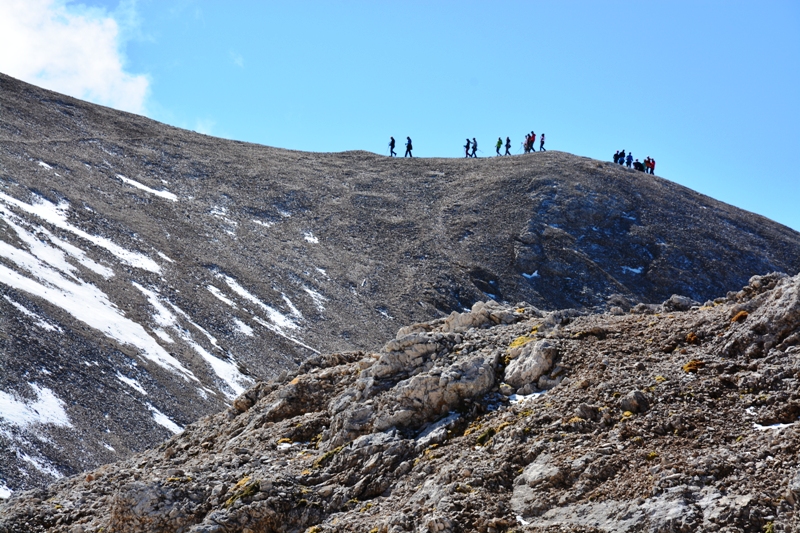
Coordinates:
710 89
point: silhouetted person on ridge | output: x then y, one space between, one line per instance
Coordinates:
527 144
466 148
508 145
532 140
628 161
408 147
616 157
498 145
474 147
391 147
541 144
621 157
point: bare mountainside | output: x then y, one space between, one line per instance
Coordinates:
669 419
150 274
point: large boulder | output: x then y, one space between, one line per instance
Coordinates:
535 360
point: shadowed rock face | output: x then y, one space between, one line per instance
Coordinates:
149 274
639 423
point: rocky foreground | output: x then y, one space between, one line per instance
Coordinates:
676 417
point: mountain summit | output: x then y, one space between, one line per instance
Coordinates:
149 275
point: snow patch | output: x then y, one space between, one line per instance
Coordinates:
281 321
109 447
310 237
637 270
759 427
45 165
225 370
41 465
131 383
163 420
5 492
161 194
83 301
39 320
265 223
162 316
531 276
318 298
163 335
280 332
521 398
295 311
46 409
164 257
222 214
57 216
218 293
242 327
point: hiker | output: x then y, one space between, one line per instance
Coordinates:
621 157
533 141
466 148
638 166
499 145
474 147
652 166
508 145
541 143
527 145
628 161
408 147
616 157
391 147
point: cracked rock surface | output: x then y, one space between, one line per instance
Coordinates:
662 420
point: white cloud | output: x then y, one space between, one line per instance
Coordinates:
70 49
204 126
237 59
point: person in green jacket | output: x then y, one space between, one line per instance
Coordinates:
499 145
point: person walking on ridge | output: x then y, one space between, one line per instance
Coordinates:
508 145
541 143
652 166
622 157
629 160
474 147
527 145
616 157
408 147
499 145
466 148
533 141
391 147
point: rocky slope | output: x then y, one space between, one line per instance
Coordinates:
669 418
150 274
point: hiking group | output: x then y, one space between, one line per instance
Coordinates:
392 144
648 167
471 148
530 142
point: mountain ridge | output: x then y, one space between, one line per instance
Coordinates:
138 258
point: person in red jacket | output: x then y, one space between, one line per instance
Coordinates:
652 166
